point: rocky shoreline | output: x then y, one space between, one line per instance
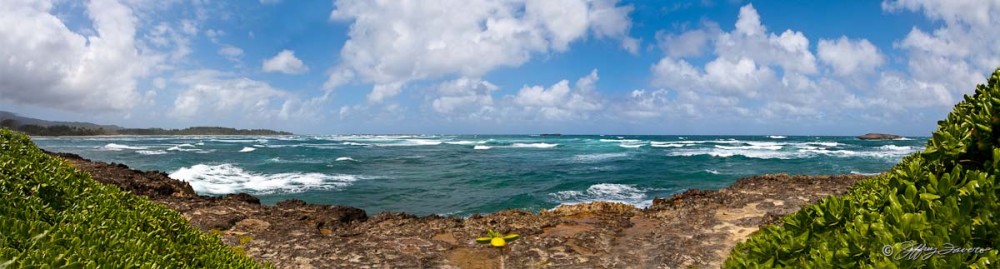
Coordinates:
693 229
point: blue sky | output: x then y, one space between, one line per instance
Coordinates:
499 67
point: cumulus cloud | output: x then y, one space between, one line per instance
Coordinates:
47 64
214 92
464 96
560 101
849 57
750 39
958 54
285 62
755 74
393 43
688 44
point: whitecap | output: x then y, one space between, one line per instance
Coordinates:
896 148
481 147
228 178
777 137
619 140
341 159
821 144
120 147
349 143
712 171
248 149
730 152
597 157
533 145
630 146
233 140
151 152
464 142
411 142
183 147
657 144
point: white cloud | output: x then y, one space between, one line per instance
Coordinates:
643 104
214 94
231 52
690 43
748 22
958 54
849 57
790 50
214 34
755 75
382 91
285 62
47 64
559 101
398 42
465 97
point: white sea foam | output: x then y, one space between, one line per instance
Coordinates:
730 152
248 149
183 147
821 144
863 174
464 142
630 146
343 159
481 147
533 145
777 137
712 171
619 140
120 147
597 157
657 144
896 148
753 146
227 178
233 140
410 142
349 143
151 152
621 193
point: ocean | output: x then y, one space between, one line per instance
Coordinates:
469 174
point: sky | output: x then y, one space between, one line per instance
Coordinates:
696 67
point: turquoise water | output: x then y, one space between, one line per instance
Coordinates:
479 174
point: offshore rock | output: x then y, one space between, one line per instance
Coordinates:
692 229
878 136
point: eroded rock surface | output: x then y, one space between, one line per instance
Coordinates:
692 229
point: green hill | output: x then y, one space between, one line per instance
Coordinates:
54 216
936 209
33 126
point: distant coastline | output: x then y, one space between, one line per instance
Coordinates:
38 127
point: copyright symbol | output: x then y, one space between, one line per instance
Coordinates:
887 250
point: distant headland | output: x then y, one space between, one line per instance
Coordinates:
38 127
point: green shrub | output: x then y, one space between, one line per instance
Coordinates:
54 216
945 196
